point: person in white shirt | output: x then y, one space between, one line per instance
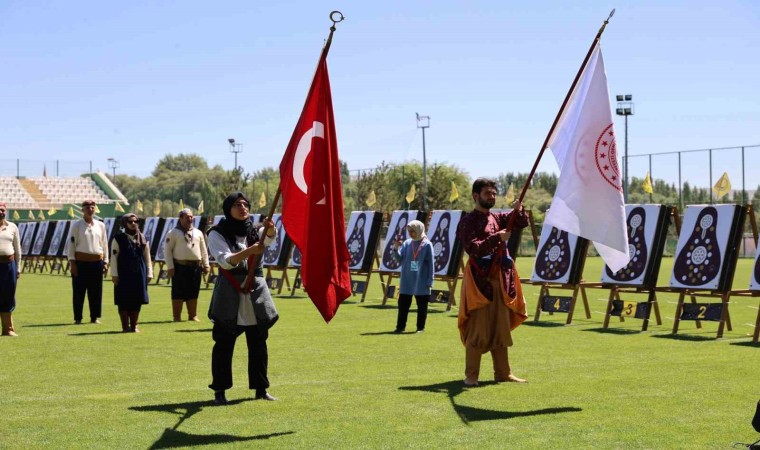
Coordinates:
186 259
10 259
241 302
131 271
87 251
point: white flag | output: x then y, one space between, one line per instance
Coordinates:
588 201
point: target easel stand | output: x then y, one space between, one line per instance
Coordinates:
705 263
647 227
559 265
754 285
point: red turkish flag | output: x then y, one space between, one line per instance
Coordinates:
312 199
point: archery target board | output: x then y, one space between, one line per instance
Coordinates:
705 256
296 258
217 219
39 240
109 223
396 230
153 233
442 232
58 237
28 239
276 255
754 283
168 226
560 256
646 227
362 233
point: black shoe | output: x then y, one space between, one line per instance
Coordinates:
398 331
220 398
265 396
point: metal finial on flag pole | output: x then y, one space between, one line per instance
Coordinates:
562 109
336 17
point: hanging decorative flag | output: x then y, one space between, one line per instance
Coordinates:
588 201
71 212
51 211
118 208
200 207
157 208
647 185
723 186
15 215
411 194
139 206
97 210
509 197
41 215
31 216
371 199
181 204
263 200
454 192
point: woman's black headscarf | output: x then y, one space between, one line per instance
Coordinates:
231 228
140 237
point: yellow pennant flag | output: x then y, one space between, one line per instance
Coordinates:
454 192
15 215
31 216
41 215
411 194
200 207
263 200
723 186
139 206
181 204
647 185
52 211
97 210
509 197
71 212
118 208
371 199
157 208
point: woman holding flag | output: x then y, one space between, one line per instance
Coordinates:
241 302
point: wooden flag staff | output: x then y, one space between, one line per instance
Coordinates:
335 17
559 114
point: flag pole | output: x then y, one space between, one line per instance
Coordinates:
598 36
564 104
335 17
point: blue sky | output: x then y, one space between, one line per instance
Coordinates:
84 81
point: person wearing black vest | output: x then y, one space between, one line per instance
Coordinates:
240 304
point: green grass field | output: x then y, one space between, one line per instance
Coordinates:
354 384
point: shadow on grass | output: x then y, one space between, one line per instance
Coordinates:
747 344
469 414
201 330
96 333
685 337
378 306
172 438
533 323
381 333
621 331
44 325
